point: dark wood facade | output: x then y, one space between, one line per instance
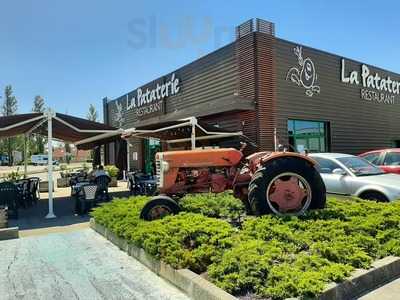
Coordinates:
356 125
255 68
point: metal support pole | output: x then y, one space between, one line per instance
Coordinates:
193 122
26 144
50 214
275 140
128 162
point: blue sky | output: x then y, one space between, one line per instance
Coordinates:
74 53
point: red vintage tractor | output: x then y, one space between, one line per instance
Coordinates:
267 182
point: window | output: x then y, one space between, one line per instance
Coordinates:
392 159
326 166
308 135
373 158
359 166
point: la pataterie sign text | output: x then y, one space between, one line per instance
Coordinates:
150 101
375 87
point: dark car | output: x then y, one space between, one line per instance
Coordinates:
387 159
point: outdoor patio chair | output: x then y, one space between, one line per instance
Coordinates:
10 197
24 189
86 199
34 193
102 183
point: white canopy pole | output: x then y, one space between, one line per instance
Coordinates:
193 122
26 144
50 114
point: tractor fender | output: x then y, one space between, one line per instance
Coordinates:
277 155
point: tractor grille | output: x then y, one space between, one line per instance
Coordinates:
159 172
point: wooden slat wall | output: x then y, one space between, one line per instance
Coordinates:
266 90
246 66
209 78
356 125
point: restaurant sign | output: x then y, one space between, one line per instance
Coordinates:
374 86
150 100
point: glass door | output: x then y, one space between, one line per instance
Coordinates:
308 135
151 147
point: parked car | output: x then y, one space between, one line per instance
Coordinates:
387 159
4 160
41 160
346 174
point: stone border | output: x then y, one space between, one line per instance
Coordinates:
9 233
362 281
191 283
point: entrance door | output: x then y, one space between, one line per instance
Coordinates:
151 147
308 135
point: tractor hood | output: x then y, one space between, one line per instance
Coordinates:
225 157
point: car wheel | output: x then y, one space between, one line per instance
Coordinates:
374 196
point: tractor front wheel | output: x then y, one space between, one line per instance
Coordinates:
159 207
286 186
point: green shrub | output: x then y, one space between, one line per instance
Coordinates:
222 205
186 240
112 170
270 257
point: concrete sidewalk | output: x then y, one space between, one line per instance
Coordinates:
76 265
389 291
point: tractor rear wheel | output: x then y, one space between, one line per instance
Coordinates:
159 207
287 185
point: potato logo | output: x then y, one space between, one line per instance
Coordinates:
306 75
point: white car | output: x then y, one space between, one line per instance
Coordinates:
352 175
41 160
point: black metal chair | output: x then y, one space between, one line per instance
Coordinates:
23 186
102 183
34 192
10 197
133 185
142 184
85 199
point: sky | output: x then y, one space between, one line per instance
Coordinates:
75 53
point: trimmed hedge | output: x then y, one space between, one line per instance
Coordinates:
270 257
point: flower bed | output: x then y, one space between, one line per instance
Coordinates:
267 256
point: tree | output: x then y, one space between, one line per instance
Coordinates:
92 114
39 107
9 108
10 102
38 104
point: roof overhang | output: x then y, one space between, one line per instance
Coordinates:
181 131
211 107
85 134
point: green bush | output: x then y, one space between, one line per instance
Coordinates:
112 170
185 241
222 205
270 257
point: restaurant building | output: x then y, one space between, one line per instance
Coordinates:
272 90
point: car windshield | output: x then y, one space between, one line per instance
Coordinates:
359 166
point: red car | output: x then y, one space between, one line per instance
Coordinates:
387 159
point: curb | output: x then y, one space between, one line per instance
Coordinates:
381 272
9 233
191 283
